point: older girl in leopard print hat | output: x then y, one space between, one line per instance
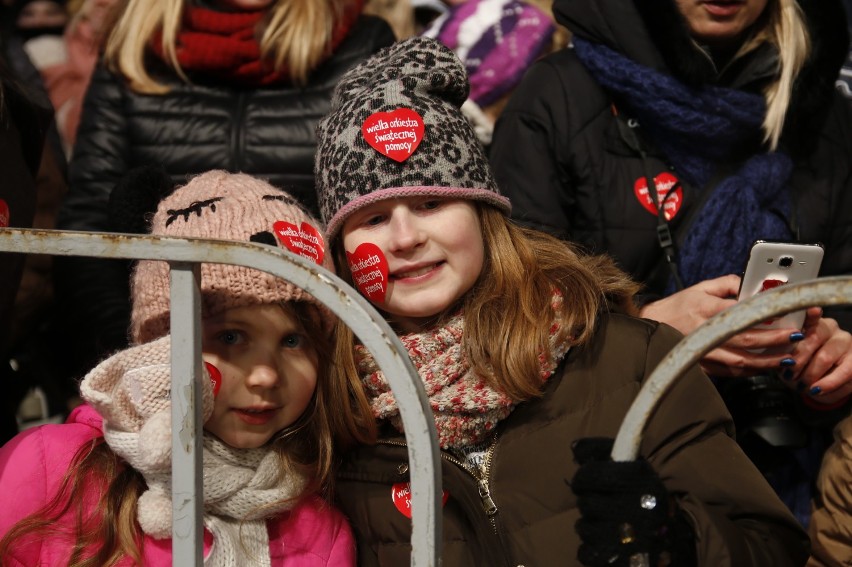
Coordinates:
527 350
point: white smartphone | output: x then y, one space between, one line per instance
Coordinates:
771 264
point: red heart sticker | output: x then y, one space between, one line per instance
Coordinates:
401 496
369 269
215 377
394 134
770 284
306 241
664 182
4 214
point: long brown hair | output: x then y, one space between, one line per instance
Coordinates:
108 532
508 313
331 421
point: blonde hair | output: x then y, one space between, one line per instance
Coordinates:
295 34
786 29
110 532
508 313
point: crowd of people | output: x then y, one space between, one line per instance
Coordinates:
541 198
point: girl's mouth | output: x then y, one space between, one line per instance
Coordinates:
416 273
255 416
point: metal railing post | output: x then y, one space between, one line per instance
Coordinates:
187 480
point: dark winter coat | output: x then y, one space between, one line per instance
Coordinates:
559 156
267 132
736 516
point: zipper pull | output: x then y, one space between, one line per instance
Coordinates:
487 503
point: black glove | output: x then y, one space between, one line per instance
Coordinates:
627 518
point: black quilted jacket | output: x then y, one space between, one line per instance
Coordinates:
558 154
267 132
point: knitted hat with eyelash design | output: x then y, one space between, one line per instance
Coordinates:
226 206
396 130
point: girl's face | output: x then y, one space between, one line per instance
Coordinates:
720 23
434 250
269 373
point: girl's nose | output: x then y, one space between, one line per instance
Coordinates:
264 375
405 231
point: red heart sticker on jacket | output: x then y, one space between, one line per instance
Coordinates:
4 214
215 377
369 269
664 183
306 241
394 134
401 496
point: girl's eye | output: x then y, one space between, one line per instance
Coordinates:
430 205
292 341
374 220
230 337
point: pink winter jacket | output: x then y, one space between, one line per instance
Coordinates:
32 466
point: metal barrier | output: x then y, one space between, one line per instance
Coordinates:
824 292
184 257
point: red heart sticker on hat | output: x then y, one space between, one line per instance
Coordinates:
369 269
394 134
4 214
664 183
401 496
304 240
215 377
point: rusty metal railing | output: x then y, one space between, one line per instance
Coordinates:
184 256
824 292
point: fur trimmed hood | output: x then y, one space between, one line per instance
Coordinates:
653 33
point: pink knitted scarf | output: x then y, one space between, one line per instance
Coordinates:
465 406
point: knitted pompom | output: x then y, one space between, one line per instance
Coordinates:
154 512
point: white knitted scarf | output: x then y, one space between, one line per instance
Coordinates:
242 487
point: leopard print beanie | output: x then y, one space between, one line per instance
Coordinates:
396 129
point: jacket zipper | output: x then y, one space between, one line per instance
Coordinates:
482 481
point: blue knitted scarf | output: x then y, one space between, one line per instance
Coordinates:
696 129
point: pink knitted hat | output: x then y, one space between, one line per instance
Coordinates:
226 206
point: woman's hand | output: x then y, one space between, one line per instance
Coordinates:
687 309
823 369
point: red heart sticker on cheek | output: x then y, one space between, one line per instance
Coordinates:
401 496
664 183
215 377
4 214
306 241
369 269
394 134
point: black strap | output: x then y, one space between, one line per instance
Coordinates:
664 234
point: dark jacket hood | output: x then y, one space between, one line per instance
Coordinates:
654 34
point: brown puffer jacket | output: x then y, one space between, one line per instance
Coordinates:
831 520
738 520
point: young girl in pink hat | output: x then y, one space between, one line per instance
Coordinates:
97 489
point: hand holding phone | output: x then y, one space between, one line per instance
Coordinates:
773 264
